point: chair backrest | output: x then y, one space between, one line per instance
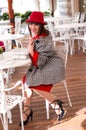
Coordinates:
24 29
17 24
62 51
51 29
82 17
76 17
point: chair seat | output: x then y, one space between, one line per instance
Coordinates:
11 102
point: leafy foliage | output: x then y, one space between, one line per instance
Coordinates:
5 16
24 17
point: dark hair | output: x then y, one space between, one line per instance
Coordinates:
42 30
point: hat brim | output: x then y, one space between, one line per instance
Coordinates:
44 23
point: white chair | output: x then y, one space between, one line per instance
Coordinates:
76 17
17 43
81 42
81 30
24 29
17 24
63 37
82 17
62 51
8 100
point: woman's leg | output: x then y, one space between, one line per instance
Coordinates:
27 102
27 111
48 96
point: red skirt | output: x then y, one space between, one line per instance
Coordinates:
42 87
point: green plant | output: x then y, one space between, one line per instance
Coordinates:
17 14
0 17
5 16
25 16
47 13
1 50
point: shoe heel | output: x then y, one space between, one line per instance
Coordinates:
31 115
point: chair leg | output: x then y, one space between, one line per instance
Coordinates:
47 109
9 115
5 122
2 120
72 48
79 45
65 84
21 115
84 46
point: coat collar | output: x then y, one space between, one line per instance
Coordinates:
38 36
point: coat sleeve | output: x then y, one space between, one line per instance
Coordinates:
45 50
44 56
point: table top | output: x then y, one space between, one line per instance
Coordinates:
5 26
8 60
70 25
49 19
4 21
11 36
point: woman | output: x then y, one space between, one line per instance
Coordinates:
47 67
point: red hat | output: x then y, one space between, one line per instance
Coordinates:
36 16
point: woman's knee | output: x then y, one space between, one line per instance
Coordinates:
28 91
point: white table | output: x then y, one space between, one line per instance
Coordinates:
12 59
71 30
7 62
11 36
5 26
70 25
48 19
4 22
4 29
6 38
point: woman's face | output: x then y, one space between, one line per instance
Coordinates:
34 28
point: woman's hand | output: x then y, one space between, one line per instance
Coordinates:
30 46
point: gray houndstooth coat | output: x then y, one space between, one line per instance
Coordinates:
50 68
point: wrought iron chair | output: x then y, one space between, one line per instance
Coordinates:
8 100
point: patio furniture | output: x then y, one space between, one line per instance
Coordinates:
8 60
71 27
81 42
62 51
17 24
9 101
54 32
8 38
76 17
14 58
82 17
4 22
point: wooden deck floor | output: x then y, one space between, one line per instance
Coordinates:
75 118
